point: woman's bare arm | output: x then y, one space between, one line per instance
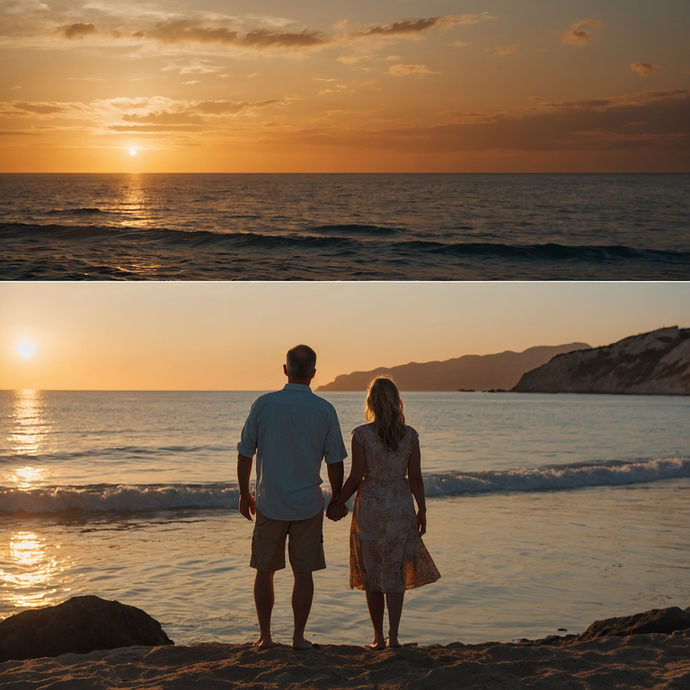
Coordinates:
356 473
414 477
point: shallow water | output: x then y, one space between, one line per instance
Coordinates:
345 227
513 566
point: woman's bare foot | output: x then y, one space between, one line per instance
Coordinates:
377 644
393 643
301 643
265 644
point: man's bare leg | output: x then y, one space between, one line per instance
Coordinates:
394 602
264 598
302 596
376 605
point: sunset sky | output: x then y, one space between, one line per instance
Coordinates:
234 335
388 85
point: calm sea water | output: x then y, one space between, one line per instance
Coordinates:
345 227
545 512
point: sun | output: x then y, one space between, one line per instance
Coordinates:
132 152
26 349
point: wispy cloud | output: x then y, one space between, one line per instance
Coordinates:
577 34
644 68
263 38
139 112
405 70
502 52
193 67
661 122
411 27
185 31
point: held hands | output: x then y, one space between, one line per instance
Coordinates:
247 507
334 512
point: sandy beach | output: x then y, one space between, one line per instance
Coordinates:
637 661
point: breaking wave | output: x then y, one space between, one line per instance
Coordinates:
101 498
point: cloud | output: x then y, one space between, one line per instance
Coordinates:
194 67
77 30
23 6
263 38
404 70
17 133
577 35
183 31
350 58
45 108
143 114
661 124
644 68
629 99
188 115
502 52
408 27
231 107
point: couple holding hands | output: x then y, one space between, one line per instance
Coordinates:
291 431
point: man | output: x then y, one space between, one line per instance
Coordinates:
291 431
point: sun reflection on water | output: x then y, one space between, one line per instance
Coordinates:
29 570
29 424
28 434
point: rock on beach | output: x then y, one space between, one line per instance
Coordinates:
79 625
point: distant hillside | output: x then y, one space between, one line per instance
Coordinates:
471 372
656 363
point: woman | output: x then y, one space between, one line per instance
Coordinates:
387 555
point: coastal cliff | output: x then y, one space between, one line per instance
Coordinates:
471 372
655 363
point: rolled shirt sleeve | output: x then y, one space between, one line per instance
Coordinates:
334 447
250 434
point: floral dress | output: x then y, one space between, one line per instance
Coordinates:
386 552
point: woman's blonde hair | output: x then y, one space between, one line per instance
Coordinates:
385 406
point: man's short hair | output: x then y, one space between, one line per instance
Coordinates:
301 362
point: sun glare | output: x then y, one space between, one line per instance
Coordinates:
26 349
132 152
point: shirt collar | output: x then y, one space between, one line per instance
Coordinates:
297 387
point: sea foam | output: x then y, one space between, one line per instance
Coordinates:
123 498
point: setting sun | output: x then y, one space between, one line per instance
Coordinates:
26 349
132 152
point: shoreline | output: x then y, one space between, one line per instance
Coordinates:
636 661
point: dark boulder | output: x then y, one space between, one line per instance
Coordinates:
664 621
80 625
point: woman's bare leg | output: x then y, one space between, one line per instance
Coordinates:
394 602
376 605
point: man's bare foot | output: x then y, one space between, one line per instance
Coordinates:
393 643
378 644
301 643
265 644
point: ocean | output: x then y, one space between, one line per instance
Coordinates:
546 512
345 226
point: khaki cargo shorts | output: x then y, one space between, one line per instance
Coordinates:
305 546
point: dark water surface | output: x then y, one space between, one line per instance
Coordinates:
345 227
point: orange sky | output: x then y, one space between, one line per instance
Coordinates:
234 335
438 85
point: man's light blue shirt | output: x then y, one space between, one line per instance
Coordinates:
291 431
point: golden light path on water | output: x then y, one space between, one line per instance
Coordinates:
29 564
